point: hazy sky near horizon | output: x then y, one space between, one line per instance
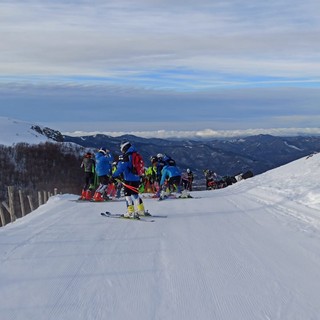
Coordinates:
150 65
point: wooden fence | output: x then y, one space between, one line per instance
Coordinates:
21 203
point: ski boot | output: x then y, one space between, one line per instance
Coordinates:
97 197
88 195
141 211
130 214
83 195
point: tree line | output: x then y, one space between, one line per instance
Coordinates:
44 166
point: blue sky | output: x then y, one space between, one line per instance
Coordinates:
148 65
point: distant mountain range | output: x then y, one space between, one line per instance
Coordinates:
227 157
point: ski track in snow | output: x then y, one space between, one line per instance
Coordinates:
240 253
286 267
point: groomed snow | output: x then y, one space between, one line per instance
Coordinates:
247 252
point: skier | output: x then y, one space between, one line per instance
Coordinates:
209 175
131 182
187 179
88 164
150 178
170 178
103 170
162 160
159 163
190 179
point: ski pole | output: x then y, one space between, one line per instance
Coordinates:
128 186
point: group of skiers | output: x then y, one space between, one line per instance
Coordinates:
163 175
215 181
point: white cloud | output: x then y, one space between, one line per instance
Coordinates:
203 134
170 55
276 38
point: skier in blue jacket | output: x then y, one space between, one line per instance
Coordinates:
103 170
131 181
172 176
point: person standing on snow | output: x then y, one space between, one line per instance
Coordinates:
131 182
103 170
159 163
88 164
184 180
190 179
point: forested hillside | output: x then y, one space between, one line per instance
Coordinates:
225 156
44 166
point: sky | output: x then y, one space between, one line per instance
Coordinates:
246 252
148 65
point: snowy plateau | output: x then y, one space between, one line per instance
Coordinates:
247 252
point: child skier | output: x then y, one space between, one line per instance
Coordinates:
103 170
88 164
131 182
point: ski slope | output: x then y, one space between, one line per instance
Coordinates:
247 252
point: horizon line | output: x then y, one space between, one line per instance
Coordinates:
200 134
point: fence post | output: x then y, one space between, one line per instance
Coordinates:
39 198
11 203
23 211
30 203
3 220
6 206
45 197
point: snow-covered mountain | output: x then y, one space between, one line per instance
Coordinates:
247 252
226 157
15 131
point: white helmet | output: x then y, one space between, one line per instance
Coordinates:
124 146
103 150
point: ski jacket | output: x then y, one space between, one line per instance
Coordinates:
169 172
184 176
88 164
159 167
151 172
168 161
190 176
125 167
103 164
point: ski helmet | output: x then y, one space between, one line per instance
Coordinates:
153 159
124 146
103 150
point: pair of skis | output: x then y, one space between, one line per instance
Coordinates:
148 218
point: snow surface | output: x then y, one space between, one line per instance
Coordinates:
15 131
250 251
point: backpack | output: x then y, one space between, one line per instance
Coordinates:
137 164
